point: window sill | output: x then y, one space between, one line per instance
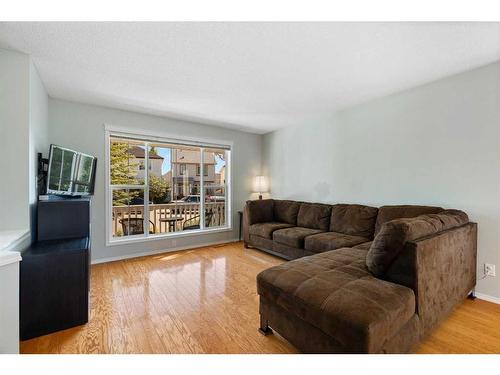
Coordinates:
135 239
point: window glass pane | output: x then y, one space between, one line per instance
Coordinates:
67 170
128 212
174 187
61 169
160 170
215 206
126 157
215 187
84 172
81 188
185 183
55 168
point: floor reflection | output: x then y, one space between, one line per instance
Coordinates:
192 281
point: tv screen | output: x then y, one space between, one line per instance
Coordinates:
70 172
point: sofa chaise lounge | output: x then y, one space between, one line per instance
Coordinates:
361 279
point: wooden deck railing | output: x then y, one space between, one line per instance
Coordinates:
183 211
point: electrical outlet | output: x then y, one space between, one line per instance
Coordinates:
489 269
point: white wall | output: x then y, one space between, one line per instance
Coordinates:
38 136
23 132
81 127
14 140
437 144
9 308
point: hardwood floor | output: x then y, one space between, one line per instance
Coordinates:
474 327
205 301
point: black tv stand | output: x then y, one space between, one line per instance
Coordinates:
54 273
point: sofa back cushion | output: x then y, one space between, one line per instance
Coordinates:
388 213
260 211
353 219
314 216
394 234
286 211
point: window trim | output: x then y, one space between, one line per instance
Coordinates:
138 134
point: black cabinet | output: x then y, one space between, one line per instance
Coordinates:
54 273
60 218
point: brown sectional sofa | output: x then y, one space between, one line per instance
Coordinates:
361 279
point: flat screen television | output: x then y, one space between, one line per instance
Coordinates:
70 172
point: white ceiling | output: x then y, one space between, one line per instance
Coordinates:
256 77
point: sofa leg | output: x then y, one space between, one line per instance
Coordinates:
264 328
472 295
245 245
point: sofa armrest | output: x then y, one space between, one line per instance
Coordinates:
441 269
257 211
246 225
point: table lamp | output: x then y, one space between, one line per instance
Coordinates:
260 185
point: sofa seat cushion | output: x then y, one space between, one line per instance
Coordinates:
330 241
294 236
335 292
265 230
289 252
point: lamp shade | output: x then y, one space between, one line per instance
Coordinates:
260 184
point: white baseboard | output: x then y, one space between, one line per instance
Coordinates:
488 298
155 252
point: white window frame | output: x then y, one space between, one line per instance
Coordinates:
117 131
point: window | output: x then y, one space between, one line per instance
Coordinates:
182 169
205 170
184 190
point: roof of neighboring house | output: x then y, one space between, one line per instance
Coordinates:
138 152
